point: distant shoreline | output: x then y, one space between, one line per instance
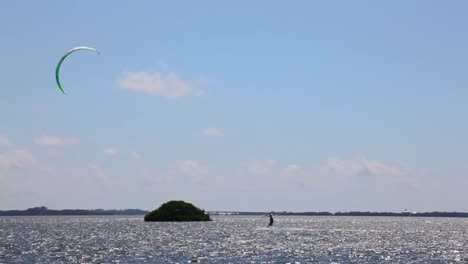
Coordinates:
38 211
352 213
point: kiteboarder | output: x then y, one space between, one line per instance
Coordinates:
271 220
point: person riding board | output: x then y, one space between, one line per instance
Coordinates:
271 220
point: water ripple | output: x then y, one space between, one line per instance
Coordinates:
233 239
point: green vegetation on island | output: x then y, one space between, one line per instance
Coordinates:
177 211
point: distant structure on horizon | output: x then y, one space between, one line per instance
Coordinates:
406 212
223 213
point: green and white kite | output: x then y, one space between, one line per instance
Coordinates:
57 70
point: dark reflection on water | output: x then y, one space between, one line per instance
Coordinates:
233 239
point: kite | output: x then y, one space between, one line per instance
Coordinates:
57 70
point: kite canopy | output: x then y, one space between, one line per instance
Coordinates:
57 70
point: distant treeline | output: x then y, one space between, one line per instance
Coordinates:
275 213
424 214
45 211
353 213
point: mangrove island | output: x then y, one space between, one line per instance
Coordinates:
177 211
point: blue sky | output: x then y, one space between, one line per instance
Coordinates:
298 106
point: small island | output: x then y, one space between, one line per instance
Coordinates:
177 211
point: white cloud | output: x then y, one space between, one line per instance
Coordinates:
292 168
52 141
99 174
262 167
111 151
4 141
212 132
135 155
362 166
168 85
18 158
191 167
183 172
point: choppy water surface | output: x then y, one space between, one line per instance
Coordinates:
233 239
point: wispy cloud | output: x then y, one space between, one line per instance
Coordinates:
53 141
153 178
261 167
135 155
184 172
111 151
52 152
191 167
362 166
18 158
292 169
4 141
212 132
167 85
99 174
